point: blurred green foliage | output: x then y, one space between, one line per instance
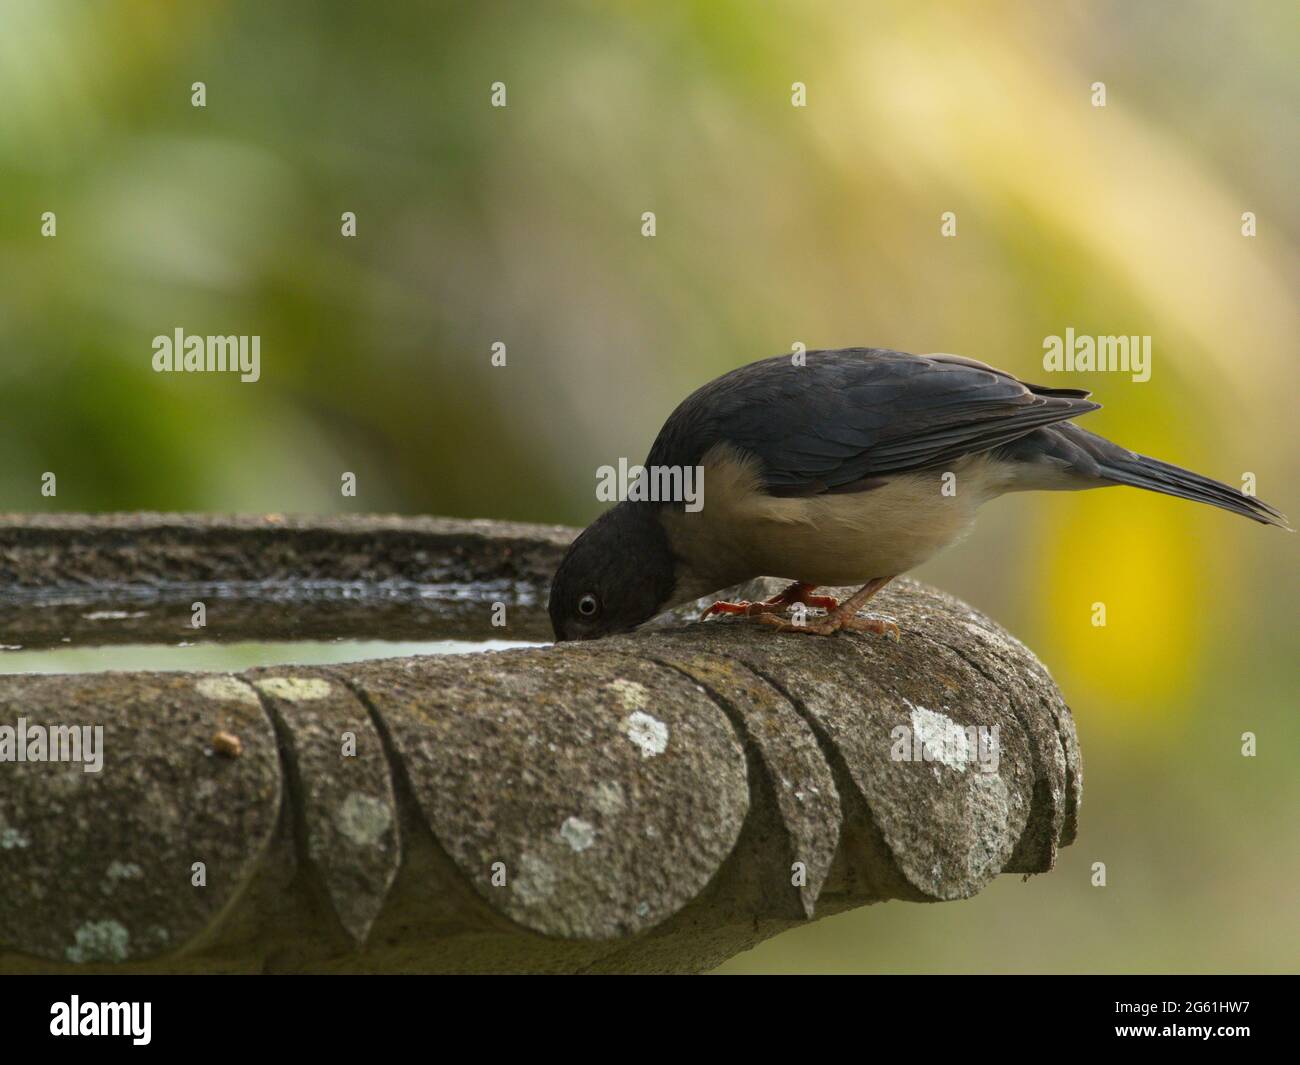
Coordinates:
775 225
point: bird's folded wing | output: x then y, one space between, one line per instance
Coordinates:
846 418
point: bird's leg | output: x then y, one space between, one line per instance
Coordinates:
844 616
798 592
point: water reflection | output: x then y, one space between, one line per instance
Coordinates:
231 657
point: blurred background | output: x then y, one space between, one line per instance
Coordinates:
775 225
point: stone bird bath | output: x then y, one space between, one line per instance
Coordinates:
655 802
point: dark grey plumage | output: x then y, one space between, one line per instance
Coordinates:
850 415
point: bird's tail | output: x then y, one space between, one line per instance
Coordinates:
1157 476
1097 458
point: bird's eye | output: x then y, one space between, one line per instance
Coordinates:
587 605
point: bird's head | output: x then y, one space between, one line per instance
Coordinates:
617 574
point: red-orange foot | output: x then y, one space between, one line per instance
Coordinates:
831 624
796 593
844 616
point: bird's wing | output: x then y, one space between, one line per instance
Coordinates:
845 418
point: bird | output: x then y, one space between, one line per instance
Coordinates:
842 467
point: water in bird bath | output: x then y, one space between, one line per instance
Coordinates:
231 657
94 629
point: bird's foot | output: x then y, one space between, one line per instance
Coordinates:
796 593
844 616
722 606
833 623
805 596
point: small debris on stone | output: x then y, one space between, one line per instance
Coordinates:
227 743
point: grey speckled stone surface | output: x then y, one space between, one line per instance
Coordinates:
98 866
338 775
654 802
